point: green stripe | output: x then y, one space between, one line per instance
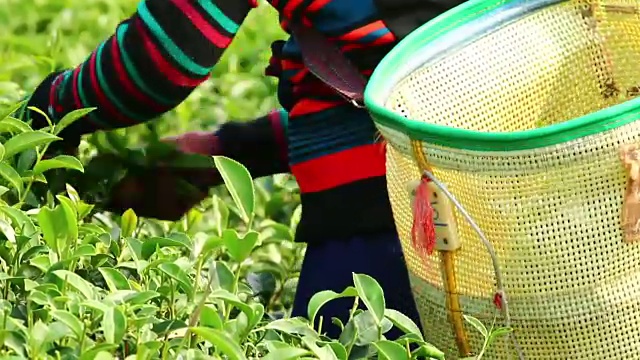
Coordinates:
411 46
104 85
229 25
168 44
83 101
284 120
133 72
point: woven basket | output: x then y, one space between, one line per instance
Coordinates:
522 110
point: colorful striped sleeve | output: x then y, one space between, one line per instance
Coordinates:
260 145
152 62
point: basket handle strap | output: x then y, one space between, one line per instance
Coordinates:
326 62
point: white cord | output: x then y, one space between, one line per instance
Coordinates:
492 253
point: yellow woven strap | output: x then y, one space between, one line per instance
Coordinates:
447 262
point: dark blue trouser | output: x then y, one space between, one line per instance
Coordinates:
329 266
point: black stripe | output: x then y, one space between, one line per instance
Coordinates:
116 84
356 209
147 69
185 35
404 16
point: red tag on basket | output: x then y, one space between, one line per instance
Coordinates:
497 300
423 232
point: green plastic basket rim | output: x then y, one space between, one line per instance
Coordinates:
403 59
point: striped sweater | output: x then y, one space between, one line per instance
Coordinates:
159 55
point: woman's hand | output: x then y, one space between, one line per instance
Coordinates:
167 193
196 142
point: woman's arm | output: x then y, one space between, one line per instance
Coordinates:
260 145
152 62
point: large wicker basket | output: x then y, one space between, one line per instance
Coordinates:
521 109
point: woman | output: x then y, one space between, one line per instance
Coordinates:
158 56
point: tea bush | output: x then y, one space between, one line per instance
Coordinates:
79 283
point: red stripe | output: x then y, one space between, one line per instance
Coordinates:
202 24
76 96
317 5
57 108
382 40
291 65
307 106
288 9
363 31
100 96
74 87
163 66
341 168
297 77
126 81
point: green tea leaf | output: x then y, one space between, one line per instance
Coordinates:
239 184
367 328
371 294
389 350
149 246
84 250
114 325
239 247
292 326
477 324
103 355
91 353
338 349
50 224
322 352
403 322
19 219
320 299
288 353
78 283
496 333
167 326
13 125
7 231
27 140
70 321
232 299
70 218
178 275
114 279
70 118
209 317
26 160
58 162
12 177
223 277
223 342
142 297
128 223
429 351
12 109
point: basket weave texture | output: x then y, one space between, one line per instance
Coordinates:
550 203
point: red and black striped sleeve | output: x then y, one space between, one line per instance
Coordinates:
151 63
